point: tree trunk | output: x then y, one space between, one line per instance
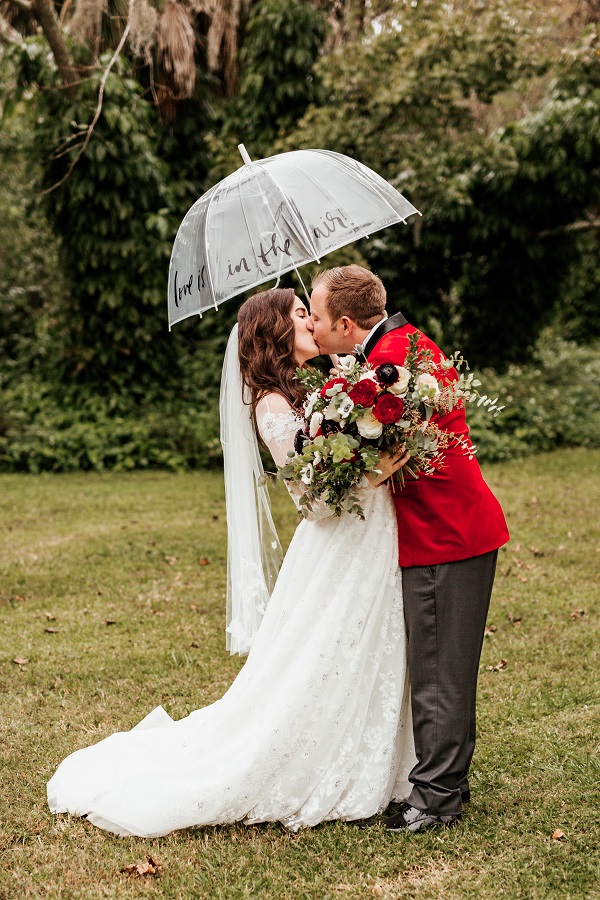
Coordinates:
46 16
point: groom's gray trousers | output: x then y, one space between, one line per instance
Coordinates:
445 609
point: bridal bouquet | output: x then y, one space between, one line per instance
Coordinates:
363 411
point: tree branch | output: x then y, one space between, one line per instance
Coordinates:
96 114
582 225
8 34
46 16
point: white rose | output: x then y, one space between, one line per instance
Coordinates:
332 413
369 374
346 364
310 403
401 386
307 474
315 423
368 426
427 388
345 407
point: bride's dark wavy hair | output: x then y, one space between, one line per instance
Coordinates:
266 346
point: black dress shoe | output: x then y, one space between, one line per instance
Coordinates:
412 819
465 796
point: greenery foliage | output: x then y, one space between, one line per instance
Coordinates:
554 401
113 214
277 81
489 258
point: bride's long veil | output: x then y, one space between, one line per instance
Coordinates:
253 550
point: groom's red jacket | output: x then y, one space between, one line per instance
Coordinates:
452 514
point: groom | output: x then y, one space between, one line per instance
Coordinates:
450 527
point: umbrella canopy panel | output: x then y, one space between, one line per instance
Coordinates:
271 216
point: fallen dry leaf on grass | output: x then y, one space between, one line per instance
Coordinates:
171 560
51 630
51 617
558 835
515 620
498 667
20 660
577 613
109 621
151 867
203 561
490 630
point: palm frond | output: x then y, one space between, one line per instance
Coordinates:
143 19
223 36
85 23
176 43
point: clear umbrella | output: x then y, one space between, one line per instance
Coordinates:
271 216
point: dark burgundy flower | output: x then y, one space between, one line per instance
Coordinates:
364 392
328 427
300 439
331 384
388 409
386 373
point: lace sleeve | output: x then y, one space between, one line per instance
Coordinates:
278 423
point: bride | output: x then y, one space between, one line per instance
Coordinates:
316 726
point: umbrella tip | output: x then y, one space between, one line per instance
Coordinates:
244 154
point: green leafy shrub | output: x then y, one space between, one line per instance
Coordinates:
38 434
552 402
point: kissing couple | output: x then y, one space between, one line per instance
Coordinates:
322 721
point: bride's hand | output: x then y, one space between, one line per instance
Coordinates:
388 464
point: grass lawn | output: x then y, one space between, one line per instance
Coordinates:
113 589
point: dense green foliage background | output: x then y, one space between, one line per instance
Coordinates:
486 114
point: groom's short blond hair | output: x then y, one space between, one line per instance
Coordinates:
354 292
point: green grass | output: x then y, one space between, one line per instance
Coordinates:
88 549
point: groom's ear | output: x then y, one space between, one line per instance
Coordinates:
348 325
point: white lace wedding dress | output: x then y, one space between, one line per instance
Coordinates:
316 726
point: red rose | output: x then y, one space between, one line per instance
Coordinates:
388 409
364 392
331 384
